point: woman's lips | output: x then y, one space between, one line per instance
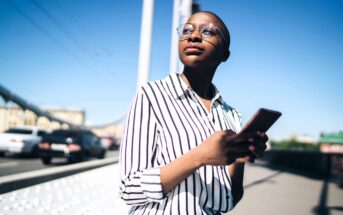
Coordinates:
193 50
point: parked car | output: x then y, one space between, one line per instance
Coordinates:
74 145
110 143
21 140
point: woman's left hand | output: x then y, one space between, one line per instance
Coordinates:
257 148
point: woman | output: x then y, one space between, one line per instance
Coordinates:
180 152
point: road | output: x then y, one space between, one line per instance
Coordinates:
17 164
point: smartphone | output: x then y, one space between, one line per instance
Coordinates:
262 120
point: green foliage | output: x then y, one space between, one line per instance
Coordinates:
293 144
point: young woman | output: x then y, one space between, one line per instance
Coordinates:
180 152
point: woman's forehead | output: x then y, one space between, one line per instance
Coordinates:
203 18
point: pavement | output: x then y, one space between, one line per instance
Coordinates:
269 190
276 190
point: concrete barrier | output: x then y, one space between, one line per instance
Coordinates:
21 180
93 192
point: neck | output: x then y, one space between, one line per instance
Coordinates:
199 81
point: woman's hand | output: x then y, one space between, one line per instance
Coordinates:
226 147
221 148
258 148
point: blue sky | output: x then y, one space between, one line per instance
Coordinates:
285 55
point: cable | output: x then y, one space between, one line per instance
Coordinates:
51 37
84 64
58 25
82 28
91 40
66 32
40 28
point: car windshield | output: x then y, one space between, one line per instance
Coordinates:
18 131
41 133
65 133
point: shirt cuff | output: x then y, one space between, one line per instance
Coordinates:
151 184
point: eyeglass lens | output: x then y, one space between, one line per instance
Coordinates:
205 30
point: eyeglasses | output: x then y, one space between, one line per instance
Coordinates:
206 31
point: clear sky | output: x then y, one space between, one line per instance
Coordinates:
83 54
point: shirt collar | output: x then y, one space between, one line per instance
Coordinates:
217 96
181 89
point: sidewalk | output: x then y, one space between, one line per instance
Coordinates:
277 191
268 191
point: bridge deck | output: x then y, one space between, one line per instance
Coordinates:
271 190
268 191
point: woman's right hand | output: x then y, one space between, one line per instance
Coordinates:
225 147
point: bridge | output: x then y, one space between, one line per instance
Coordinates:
269 190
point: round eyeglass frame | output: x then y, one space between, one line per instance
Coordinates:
200 28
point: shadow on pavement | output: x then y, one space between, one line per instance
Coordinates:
322 208
263 180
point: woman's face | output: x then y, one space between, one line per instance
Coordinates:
200 48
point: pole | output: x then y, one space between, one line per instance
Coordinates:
182 10
174 60
145 42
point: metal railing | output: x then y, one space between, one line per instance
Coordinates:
321 164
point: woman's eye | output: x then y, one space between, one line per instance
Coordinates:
187 31
208 32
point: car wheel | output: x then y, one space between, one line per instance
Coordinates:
83 157
102 154
46 160
34 151
71 160
79 158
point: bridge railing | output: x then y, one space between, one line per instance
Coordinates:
321 164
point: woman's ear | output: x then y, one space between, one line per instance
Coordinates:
226 55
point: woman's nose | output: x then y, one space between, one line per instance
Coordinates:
195 36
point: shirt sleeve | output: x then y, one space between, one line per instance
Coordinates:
140 180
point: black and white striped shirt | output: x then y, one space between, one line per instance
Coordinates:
166 120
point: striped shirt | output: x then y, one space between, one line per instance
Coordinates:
166 120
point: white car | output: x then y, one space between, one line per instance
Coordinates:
21 140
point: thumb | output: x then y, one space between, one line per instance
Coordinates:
229 132
243 159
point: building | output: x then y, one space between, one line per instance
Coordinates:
11 116
17 111
331 142
109 130
305 139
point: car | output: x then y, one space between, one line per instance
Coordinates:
21 140
110 143
73 144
